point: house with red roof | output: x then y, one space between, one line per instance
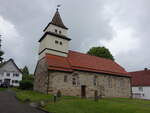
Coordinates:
141 84
74 73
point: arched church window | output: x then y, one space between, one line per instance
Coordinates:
75 79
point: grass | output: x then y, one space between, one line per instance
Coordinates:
2 89
116 105
68 104
32 96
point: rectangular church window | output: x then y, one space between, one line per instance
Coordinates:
121 83
94 81
110 83
65 78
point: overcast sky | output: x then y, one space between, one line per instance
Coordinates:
123 26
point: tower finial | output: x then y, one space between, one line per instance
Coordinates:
58 6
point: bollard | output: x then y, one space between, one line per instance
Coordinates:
96 95
55 98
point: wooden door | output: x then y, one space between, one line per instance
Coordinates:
83 91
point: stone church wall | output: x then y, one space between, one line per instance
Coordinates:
41 77
106 85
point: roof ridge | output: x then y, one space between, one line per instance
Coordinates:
140 71
92 55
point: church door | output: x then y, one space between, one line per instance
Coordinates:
83 91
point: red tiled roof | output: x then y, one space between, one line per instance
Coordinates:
84 62
140 78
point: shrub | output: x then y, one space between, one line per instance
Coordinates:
26 84
59 94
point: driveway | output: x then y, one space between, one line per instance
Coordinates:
9 104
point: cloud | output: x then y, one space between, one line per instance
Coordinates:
12 41
121 25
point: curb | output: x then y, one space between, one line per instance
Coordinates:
39 108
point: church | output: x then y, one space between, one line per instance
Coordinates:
74 73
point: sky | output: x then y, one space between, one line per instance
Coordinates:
123 26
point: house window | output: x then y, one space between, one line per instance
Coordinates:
110 83
56 42
60 43
94 80
8 74
140 88
65 78
16 81
13 81
55 30
59 32
15 74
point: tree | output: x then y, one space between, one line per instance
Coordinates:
101 52
25 71
27 79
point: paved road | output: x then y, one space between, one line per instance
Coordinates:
9 104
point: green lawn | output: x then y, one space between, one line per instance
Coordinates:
32 96
69 104
2 89
103 106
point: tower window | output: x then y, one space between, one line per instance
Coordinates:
59 32
60 43
56 42
55 30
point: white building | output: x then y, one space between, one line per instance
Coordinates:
10 73
141 84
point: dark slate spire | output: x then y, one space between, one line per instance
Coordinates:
57 21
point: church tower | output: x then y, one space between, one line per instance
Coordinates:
55 40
